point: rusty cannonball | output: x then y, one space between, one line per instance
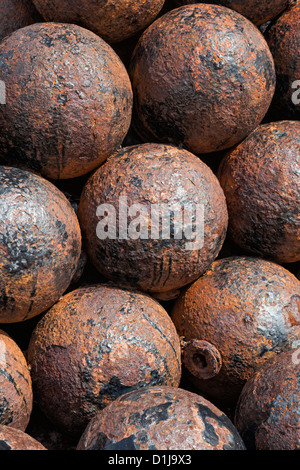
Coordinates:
68 100
97 343
16 399
161 418
153 217
16 14
260 179
283 38
239 314
257 11
40 244
203 78
114 21
267 413
15 439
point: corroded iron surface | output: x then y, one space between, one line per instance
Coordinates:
152 174
267 414
96 344
40 244
283 38
257 11
15 439
16 397
113 20
68 100
260 179
16 14
203 77
161 418
249 310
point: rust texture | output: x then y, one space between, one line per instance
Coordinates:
203 77
113 20
16 397
260 179
249 310
68 103
257 11
161 418
16 14
202 359
267 413
283 38
152 174
97 343
40 244
15 439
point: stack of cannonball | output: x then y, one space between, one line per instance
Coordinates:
149 225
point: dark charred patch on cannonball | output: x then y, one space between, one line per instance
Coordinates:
6 300
128 443
15 439
22 255
114 388
99 442
212 422
249 432
6 413
164 129
183 59
102 442
151 416
16 14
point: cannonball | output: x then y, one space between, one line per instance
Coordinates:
16 14
114 21
15 439
68 100
203 77
267 414
257 11
97 343
283 38
16 399
40 244
161 418
153 217
260 179
239 314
